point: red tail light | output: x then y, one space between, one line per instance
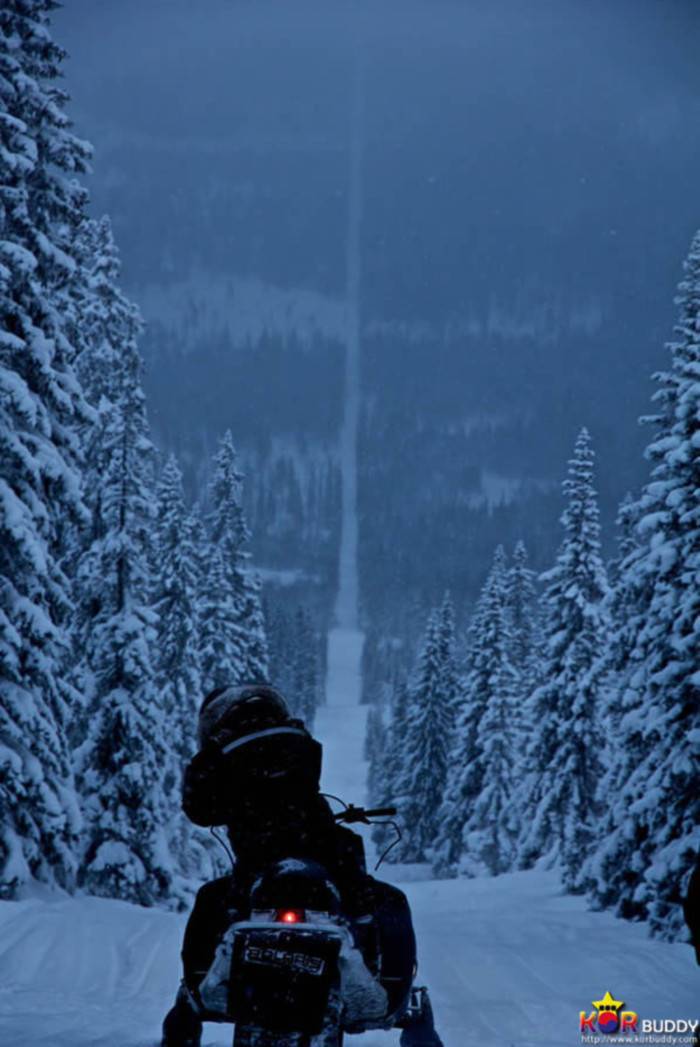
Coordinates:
291 916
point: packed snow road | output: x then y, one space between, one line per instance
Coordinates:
508 961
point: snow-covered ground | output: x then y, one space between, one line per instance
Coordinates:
508 961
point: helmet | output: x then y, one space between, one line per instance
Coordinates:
229 713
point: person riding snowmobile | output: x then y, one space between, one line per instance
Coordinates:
257 773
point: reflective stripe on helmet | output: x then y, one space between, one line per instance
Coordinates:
262 734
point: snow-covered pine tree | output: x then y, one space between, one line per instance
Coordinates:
524 619
560 811
256 668
175 602
375 754
449 683
655 833
491 830
109 325
522 604
104 311
304 684
478 784
386 772
223 643
627 543
295 659
41 412
628 593
383 660
202 550
178 673
241 647
123 756
426 744
278 629
77 313
614 868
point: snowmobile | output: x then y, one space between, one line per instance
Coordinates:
295 972
299 944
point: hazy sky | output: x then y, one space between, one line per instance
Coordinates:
531 168
498 134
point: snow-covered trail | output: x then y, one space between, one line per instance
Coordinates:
509 961
340 723
346 610
85 972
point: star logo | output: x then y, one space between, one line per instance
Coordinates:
607 1018
608 1003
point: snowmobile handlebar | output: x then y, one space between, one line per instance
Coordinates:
353 814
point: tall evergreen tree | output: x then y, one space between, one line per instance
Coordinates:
123 757
627 543
614 868
476 750
386 774
560 811
375 753
522 605
175 602
178 673
523 613
305 685
223 643
256 666
106 316
41 413
427 737
628 594
110 326
278 629
295 659
490 832
233 600
655 810
227 522
449 682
